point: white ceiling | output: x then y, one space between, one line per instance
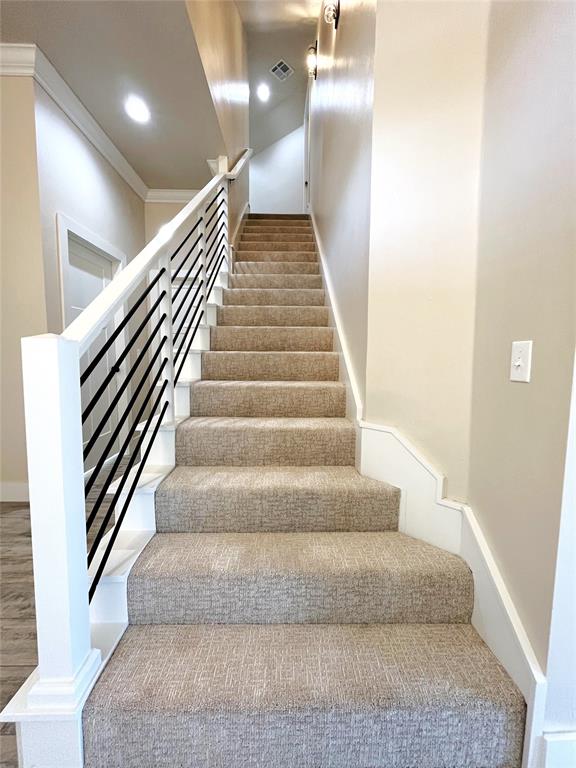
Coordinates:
105 50
270 14
277 30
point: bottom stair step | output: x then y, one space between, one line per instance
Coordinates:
311 696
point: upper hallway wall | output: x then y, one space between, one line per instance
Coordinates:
221 42
429 88
526 289
340 151
23 307
77 181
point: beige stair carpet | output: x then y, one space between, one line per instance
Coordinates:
278 617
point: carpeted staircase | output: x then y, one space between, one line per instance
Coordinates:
278 619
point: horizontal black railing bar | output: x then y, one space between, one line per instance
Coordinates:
118 428
215 256
186 276
184 300
218 224
124 322
213 248
116 367
184 323
123 386
216 271
122 482
223 212
185 259
122 452
179 371
190 304
120 520
188 236
216 196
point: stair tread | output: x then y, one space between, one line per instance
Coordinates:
303 577
274 498
213 397
377 696
251 441
271 338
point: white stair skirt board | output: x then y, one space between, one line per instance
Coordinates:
384 454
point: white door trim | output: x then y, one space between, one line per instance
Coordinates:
66 225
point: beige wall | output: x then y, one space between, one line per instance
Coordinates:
221 43
526 290
340 149
23 309
158 214
77 181
429 85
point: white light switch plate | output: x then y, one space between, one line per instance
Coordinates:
521 361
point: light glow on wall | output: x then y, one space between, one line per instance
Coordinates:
137 109
263 92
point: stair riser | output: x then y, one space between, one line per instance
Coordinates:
270 366
276 268
264 254
279 316
282 597
275 281
277 401
283 217
278 237
230 338
299 229
250 447
273 297
276 245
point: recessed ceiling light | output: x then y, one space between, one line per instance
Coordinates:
263 92
137 109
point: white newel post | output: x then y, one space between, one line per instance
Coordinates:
67 662
166 329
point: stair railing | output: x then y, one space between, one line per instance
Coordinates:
95 398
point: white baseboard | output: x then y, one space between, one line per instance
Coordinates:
385 454
14 492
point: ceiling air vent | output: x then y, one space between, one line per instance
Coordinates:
281 70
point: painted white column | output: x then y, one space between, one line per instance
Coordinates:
67 661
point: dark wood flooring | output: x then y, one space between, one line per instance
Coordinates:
17 625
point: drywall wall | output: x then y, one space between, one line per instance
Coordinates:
340 149
23 309
158 214
525 290
221 42
77 181
429 86
277 176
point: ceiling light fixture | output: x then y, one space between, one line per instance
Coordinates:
263 92
312 60
137 109
332 13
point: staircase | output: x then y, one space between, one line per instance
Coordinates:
278 618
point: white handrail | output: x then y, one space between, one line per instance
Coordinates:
239 167
95 317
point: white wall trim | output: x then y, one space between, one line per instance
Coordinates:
349 375
170 195
19 60
14 492
386 455
240 224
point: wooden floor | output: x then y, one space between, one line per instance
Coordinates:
17 626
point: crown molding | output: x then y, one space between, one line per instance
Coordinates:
26 60
170 195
